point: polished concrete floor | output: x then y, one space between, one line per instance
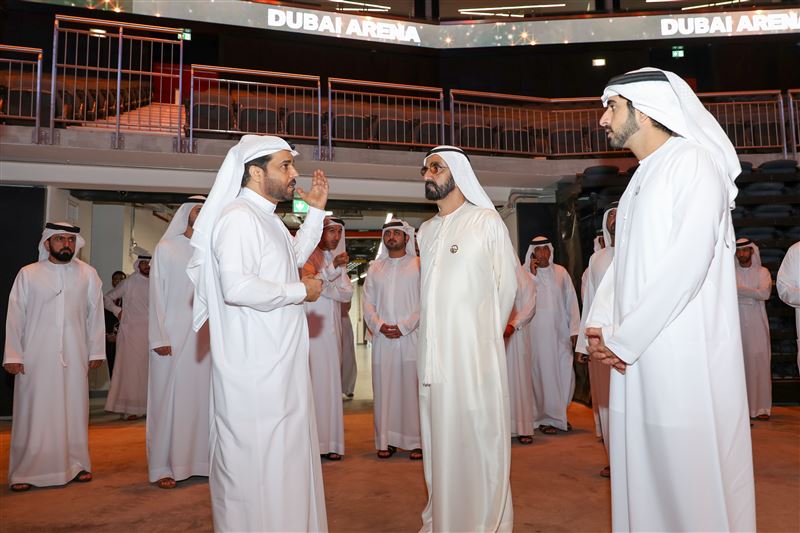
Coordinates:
555 481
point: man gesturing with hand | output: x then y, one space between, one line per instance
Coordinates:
265 470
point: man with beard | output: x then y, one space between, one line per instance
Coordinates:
328 263
180 362
391 311
599 374
51 357
554 329
664 314
265 472
753 286
127 394
468 282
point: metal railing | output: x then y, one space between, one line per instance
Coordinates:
237 101
525 125
21 85
793 96
385 113
116 75
753 120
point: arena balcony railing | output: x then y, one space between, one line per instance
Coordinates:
233 101
376 113
21 86
793 96
118 76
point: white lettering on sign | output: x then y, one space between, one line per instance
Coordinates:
332 25
725 24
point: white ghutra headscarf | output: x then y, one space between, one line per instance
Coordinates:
56 228
461 169
406 228
666 98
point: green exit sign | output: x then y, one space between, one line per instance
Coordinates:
299 206
186 35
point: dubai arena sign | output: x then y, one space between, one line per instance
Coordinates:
476 34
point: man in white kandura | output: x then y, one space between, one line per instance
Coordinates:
664 314
127 394
754 285
265 472
788 285
469 282
519 357
554 329
328 263
54 334
349 367
180 361
391 312
599 374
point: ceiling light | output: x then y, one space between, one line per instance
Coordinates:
599 62
362 4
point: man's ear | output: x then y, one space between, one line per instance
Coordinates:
256 173
407 237
47 245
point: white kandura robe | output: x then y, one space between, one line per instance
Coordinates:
54 327
679 446
391 296
265 466
349 368
468 287
788 285
557 318
178 384
128 391
599 374
325 349
753 286
519 356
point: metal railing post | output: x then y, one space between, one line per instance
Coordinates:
441 117
119 89
782 122
38 97
54 71
319 120
191 109
452 119
330 122
180 93
793 122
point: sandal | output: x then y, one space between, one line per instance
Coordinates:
332 456
606 471
166 483
385 454
548 430
83 477
525 439
131 418
20 487
415 454
763 417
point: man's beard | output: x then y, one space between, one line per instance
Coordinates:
277 190
618 139
396 245
433 191
64 255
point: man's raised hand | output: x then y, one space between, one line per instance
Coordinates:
318 195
